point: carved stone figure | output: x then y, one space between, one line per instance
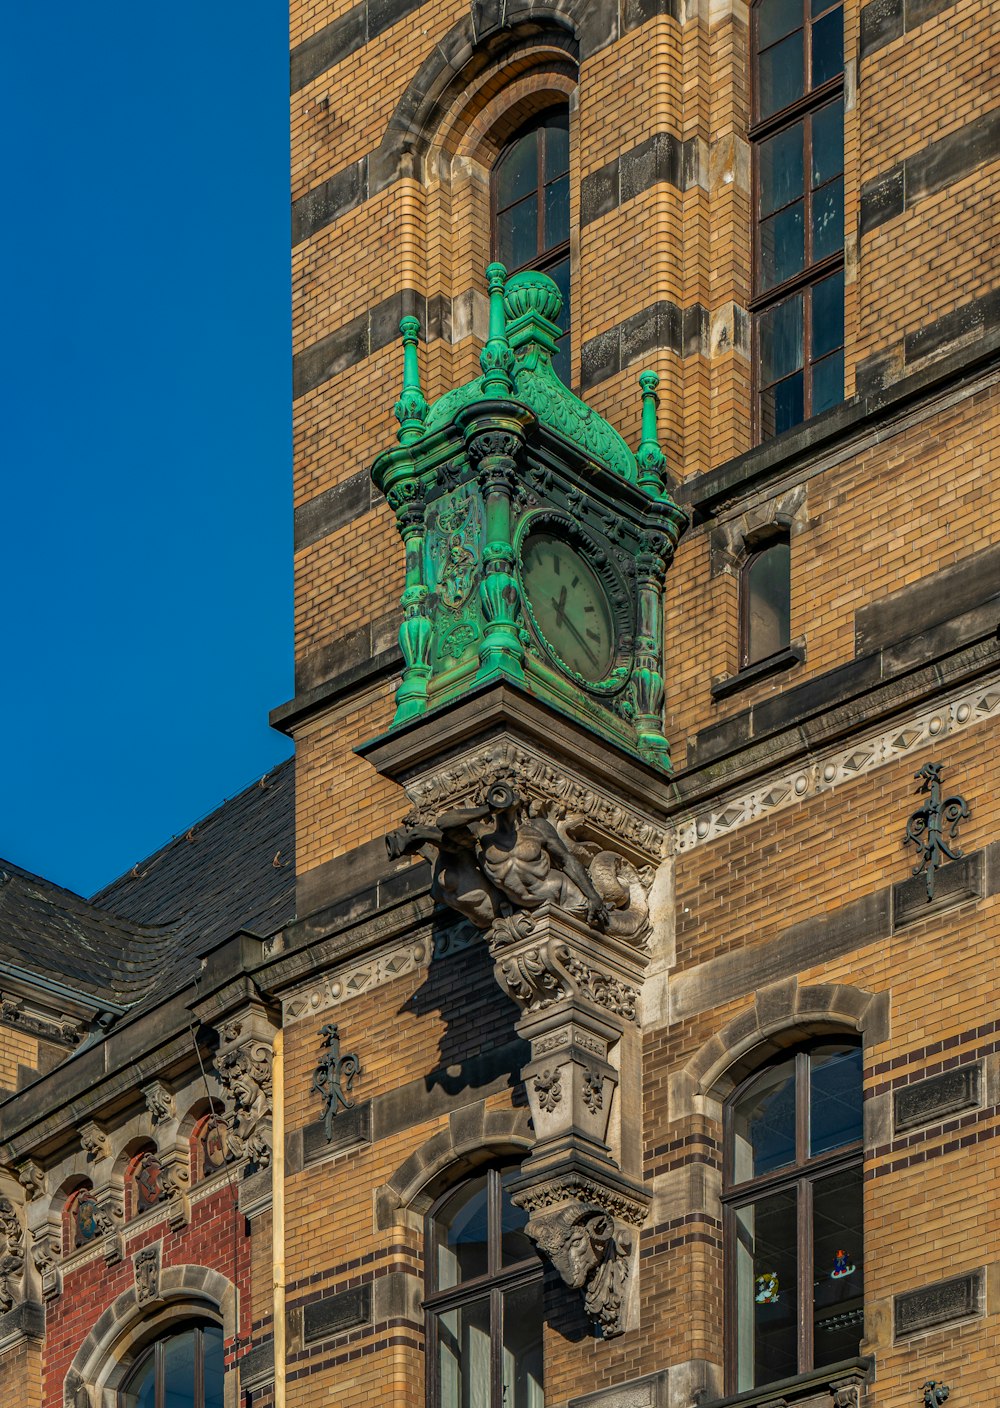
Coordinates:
502 858
12 1257
146 1269
591 1253
245 1075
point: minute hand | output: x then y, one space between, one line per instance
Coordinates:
563 620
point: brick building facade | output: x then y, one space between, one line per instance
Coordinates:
616 1080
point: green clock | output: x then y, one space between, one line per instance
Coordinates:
569 604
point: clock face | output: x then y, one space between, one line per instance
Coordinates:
569 604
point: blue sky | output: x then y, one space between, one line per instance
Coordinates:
145 392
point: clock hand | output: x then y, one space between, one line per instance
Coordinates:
560 607
564 620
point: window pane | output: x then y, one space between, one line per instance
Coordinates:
141 1392
782 246
464 1356
514 1244
560 362
214 1366
828 382
781 169
557 212
768 621
764 1123
522 1348
828 219
834 1097
838 1271
780 75
517 233
781 340
782 406
775 18
828 142
517 171
178 1370
827 47
766 1290
827 314
556 146
460 1235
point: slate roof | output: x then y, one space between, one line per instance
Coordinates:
140 937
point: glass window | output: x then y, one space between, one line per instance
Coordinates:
484 1302
798 142
765 602
182 1370
531 209
793 1201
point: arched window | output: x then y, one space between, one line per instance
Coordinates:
798 142
484 1301
181 1370
793 1216
765 602
530 193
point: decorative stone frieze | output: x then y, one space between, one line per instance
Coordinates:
11 1255
243 1066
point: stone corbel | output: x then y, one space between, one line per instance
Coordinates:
160 1103
46 1254
176 1178
95 1142
31 1178
243 1068
110 1221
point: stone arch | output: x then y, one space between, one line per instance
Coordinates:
473 1136
736 539
126 1327
782 1015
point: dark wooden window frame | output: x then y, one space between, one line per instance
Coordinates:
811 274
801 1176
497 1280
159 1351
546 255
761 544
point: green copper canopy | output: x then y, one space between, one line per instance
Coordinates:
532 303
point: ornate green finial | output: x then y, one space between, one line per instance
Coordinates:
650 458
496 358
411 407
534 303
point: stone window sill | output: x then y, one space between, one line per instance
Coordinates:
819 1386
760 670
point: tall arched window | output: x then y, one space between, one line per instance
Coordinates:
798 275
793 1216
484 1301
530 194
181 1370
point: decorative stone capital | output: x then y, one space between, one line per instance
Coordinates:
159 1102
95 1142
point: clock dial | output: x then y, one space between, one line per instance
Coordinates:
569 604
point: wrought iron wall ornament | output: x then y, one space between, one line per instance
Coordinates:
334 1077
935 1394
926 827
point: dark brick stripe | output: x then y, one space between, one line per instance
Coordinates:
882 21
975 320
662 158
922 1156
709 1160
329 1273
370 331
660 327
334 509
939 164
660 1229
703 1239
682 1142
920 1073
344 1357
366 1278
921 1053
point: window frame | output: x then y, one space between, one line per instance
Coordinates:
804 108
774 538
494 1283
157 1345
800 1175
